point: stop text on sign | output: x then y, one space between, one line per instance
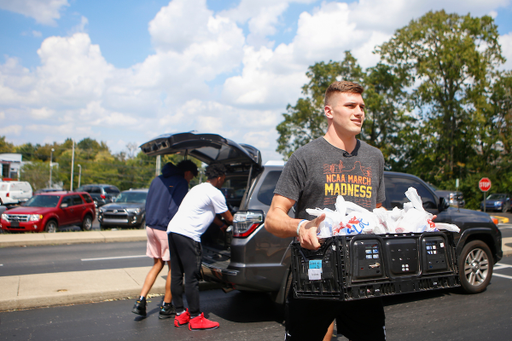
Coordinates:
484 184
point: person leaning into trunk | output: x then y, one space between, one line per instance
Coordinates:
337 160
165 195
196 213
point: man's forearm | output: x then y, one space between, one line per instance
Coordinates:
280 224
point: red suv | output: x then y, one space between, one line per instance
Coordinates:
48 211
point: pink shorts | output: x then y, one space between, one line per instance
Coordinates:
158 244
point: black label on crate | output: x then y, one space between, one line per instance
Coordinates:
434 254
367 260
403 256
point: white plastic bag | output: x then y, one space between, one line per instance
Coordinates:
447 227
350 218
415 218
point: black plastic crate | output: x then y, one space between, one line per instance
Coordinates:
364 266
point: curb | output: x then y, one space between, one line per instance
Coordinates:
79 287
68 238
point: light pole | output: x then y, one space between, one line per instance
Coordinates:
79 174
72 166
51 161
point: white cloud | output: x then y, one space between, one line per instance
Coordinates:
183 23
506 50
43 11
81 26
42 113
11 130
73 71
211 72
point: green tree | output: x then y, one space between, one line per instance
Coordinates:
37 173
450 63
6 147
305 121
28 151
386 121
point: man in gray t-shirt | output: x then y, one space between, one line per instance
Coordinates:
322 172
335 164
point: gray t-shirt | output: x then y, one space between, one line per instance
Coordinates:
318 172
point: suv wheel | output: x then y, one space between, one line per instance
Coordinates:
475 267
87 223
142 224
51 226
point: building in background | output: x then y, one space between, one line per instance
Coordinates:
11 164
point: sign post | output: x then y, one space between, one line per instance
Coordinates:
484 184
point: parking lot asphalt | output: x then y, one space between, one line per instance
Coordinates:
52 289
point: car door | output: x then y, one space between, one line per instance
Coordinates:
66 211
78 209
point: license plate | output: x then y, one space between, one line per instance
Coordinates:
15 224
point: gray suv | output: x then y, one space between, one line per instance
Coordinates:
128 210
101 193
248 258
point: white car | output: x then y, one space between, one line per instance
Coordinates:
14 192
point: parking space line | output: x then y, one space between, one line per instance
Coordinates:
111 258
501 266
500 275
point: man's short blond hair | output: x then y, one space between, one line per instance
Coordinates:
342 86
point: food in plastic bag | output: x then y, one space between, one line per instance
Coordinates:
350 218
415 218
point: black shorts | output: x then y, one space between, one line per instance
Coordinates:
309 319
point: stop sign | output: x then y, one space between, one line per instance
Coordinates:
484 184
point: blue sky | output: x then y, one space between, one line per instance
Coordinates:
125 71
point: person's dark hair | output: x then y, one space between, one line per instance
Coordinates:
215 170
342 86
187 165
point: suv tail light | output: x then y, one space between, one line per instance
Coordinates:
7 195
102 196
245 222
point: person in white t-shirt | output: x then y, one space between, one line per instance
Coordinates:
196 213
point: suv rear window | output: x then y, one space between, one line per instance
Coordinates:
87 198
266 192
111 190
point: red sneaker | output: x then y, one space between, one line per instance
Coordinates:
182 319
201 323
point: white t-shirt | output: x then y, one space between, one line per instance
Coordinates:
197 211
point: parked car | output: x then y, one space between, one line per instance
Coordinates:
101 193
14 192
49 211
47 190
249 258
453 198
497 202
128 210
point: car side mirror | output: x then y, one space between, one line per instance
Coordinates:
443 204
64 205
